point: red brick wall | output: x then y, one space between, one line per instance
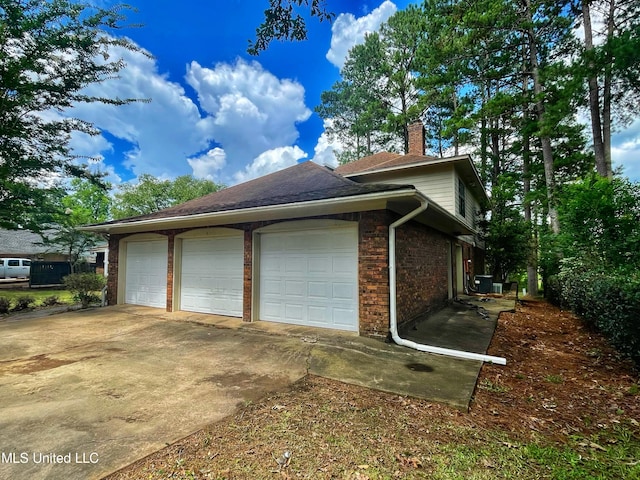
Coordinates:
112 277
373 272
247 294
421 270
171 238
416 137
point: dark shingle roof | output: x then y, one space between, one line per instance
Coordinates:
21 242
303 182
381 160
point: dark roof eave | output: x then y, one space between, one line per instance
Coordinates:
354 203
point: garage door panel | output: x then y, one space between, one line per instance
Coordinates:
344 291
306 280
294 288
211 275
317 290
146 273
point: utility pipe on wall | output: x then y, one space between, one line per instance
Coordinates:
393 320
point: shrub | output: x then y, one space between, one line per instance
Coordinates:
51 301
24 302
610 301
5 305
84 286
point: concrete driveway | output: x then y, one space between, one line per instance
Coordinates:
85 393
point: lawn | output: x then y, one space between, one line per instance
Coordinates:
39 294
566 406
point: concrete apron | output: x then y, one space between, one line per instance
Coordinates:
85 393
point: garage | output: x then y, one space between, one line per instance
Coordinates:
309 276
211 272
146 273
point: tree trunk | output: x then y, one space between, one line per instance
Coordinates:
483 140
606 96
547 150
532 262
594 97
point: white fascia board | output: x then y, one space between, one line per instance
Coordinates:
370 201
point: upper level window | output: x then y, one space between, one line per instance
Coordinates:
462 198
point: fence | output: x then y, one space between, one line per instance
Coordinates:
52 273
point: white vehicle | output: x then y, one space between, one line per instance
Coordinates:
15 267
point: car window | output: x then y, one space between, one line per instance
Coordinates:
13 263
26 263
1 263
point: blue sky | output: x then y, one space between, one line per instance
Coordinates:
217 112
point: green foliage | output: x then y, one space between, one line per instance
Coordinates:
605 298
594 268
282 21
151 194
377 98
601 222
5 305
23 302
506 233
84 286
50 301
51 50
508 241
85 203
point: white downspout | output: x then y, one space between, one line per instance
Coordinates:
393 320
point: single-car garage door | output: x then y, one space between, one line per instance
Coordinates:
146 273
211 276
310 277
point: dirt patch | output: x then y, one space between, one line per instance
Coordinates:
563 382
37 363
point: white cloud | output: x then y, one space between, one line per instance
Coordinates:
270 161
347 30
208 165
87 145
163 131
324 151
252 111
625 151
243 111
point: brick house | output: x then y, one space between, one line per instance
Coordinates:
387 235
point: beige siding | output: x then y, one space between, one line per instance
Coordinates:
472 206
437 184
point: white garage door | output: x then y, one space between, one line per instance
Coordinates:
146 273
212 275
310 277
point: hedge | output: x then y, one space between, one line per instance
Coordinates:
610 301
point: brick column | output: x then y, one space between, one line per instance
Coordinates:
373 273
247 288
112 277
171 236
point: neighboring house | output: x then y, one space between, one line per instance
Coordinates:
27 244
98 255
310 246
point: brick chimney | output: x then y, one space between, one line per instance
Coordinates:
416 138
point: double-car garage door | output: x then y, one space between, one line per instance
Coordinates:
303 276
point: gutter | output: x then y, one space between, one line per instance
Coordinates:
393 314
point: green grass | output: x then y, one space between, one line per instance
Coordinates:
64 296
